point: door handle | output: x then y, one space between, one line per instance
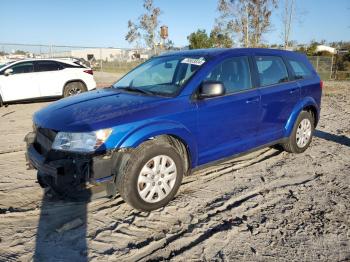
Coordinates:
293 90
252 100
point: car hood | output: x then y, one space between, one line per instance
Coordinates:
96 110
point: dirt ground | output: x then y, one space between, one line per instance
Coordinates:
267 206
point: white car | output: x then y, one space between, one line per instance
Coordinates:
41 78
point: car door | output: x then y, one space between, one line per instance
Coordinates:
228 124
279 95
50 77
21 83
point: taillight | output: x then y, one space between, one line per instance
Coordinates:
321 84
90 72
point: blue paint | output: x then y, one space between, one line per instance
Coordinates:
211 129
104 179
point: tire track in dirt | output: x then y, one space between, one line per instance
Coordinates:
223 225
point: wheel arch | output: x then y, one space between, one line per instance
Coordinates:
181 146
314 112
178 135
307 104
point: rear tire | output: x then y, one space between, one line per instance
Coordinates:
1 102
302 133
151 175
74 88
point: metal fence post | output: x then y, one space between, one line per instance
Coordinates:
330 76
101 68
317 58
50 51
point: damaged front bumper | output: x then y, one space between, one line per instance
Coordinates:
76 175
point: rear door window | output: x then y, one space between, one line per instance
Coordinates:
44 66
300 70
271 69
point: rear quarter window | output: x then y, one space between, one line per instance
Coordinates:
271 69
300 70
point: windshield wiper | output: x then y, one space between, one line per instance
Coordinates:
135 89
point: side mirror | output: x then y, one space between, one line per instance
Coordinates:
8 72
210 89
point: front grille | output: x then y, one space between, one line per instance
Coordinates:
44 139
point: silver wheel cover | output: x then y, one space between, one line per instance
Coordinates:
157 179
74 91
303 134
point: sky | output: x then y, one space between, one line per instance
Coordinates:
104 22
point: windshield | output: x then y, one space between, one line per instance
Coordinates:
161 75
6 64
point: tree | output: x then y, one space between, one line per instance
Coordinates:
287 20
261 11
169 45
234 19
311 50
133 34
146 26
219 39
290 15
249 19
20 52
199 39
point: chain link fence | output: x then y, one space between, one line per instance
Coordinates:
108 63
106 59
323 66
120 60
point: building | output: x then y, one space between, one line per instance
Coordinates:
94 54
321 48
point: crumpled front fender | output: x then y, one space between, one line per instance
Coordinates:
146 132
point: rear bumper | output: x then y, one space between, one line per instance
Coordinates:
72 174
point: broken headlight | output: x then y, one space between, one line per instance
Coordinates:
81 142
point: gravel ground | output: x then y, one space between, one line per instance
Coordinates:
104 79
266 206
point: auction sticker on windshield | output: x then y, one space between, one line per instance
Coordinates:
193 61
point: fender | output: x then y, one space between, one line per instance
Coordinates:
145 132
305 102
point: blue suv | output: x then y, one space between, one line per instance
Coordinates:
171 114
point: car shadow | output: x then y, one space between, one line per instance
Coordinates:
62 230
340 139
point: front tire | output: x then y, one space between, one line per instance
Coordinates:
302 133
151 176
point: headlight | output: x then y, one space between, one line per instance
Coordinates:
81 142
